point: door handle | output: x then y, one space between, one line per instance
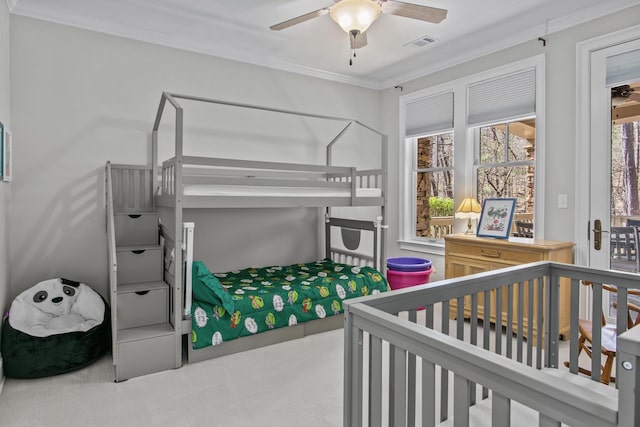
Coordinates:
597 234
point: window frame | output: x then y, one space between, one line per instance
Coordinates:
465 173
507 163
415 170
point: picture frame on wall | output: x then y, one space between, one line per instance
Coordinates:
7 156
496 218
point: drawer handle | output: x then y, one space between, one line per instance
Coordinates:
142 292
134 216
494 253
138 251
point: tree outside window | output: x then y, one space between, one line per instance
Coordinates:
625 161
506 163
433 170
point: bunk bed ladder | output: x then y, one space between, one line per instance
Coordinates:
143 335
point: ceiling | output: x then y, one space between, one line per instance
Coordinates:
239 30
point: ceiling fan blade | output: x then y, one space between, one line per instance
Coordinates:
360 40
302 18
414 11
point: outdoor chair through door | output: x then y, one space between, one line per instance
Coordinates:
608 335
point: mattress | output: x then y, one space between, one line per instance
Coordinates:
250 301
265 191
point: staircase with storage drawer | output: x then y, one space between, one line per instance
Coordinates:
144 339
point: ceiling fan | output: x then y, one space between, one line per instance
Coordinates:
355 16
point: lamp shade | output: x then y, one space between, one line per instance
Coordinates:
469 208
355 16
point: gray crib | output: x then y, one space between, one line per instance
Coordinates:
406 367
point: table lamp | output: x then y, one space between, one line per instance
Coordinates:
469 209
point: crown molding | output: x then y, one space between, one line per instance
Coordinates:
434 59
495 44
220 51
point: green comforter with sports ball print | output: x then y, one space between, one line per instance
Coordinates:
246 302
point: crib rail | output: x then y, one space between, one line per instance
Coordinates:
406 366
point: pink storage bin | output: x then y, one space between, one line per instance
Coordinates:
405 279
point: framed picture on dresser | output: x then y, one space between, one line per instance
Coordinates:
496 218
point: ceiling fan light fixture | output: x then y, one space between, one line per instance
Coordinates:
355 16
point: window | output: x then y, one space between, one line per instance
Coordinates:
505 142
429 151
484 145
505 164
433 168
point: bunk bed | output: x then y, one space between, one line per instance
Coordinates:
405 366
201 298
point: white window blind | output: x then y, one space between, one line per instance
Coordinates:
429 115
503 98
623 68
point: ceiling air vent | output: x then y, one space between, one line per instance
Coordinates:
422 41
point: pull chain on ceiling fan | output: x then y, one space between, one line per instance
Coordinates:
355 17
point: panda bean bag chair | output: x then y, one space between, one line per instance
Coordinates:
54 327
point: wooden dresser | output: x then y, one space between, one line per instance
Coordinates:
468 254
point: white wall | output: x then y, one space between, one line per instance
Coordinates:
5 188
559 163
81 98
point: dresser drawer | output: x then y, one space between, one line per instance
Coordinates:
145 356
136 229
143 307
139 264
496 253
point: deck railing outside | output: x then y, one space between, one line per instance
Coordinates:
440 226
406 365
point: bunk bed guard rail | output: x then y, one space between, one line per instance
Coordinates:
172 98
351 230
